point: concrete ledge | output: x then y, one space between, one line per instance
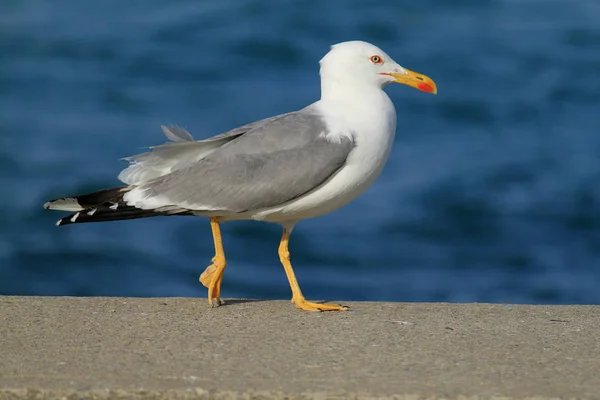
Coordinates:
177 348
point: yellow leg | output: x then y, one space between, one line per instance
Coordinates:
213 274
297 297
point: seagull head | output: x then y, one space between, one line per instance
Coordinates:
361 63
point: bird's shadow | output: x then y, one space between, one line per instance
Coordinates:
230 302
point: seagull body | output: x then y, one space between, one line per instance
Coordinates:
281 169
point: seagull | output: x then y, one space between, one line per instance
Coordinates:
281 169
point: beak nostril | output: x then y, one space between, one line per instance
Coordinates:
419 78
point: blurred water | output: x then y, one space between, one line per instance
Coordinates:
491 193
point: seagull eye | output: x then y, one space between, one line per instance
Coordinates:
376 60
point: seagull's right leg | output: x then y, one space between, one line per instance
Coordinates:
297 296
213 274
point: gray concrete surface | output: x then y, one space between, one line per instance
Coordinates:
178 348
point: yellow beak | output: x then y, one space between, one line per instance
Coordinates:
416 80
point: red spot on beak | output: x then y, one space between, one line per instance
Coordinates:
425 88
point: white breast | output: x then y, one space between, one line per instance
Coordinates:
372 124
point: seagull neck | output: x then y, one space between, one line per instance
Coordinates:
355 99
340 93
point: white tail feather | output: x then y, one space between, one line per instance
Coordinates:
64 204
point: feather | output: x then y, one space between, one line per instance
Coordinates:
177 134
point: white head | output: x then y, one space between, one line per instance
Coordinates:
359 63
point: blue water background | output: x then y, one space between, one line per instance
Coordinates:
492 191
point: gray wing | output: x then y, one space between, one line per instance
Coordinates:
271 164
181 152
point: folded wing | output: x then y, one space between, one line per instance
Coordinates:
271 163
175 155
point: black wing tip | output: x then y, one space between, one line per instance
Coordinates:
61 222
69 219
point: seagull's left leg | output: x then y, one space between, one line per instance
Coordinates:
213 274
